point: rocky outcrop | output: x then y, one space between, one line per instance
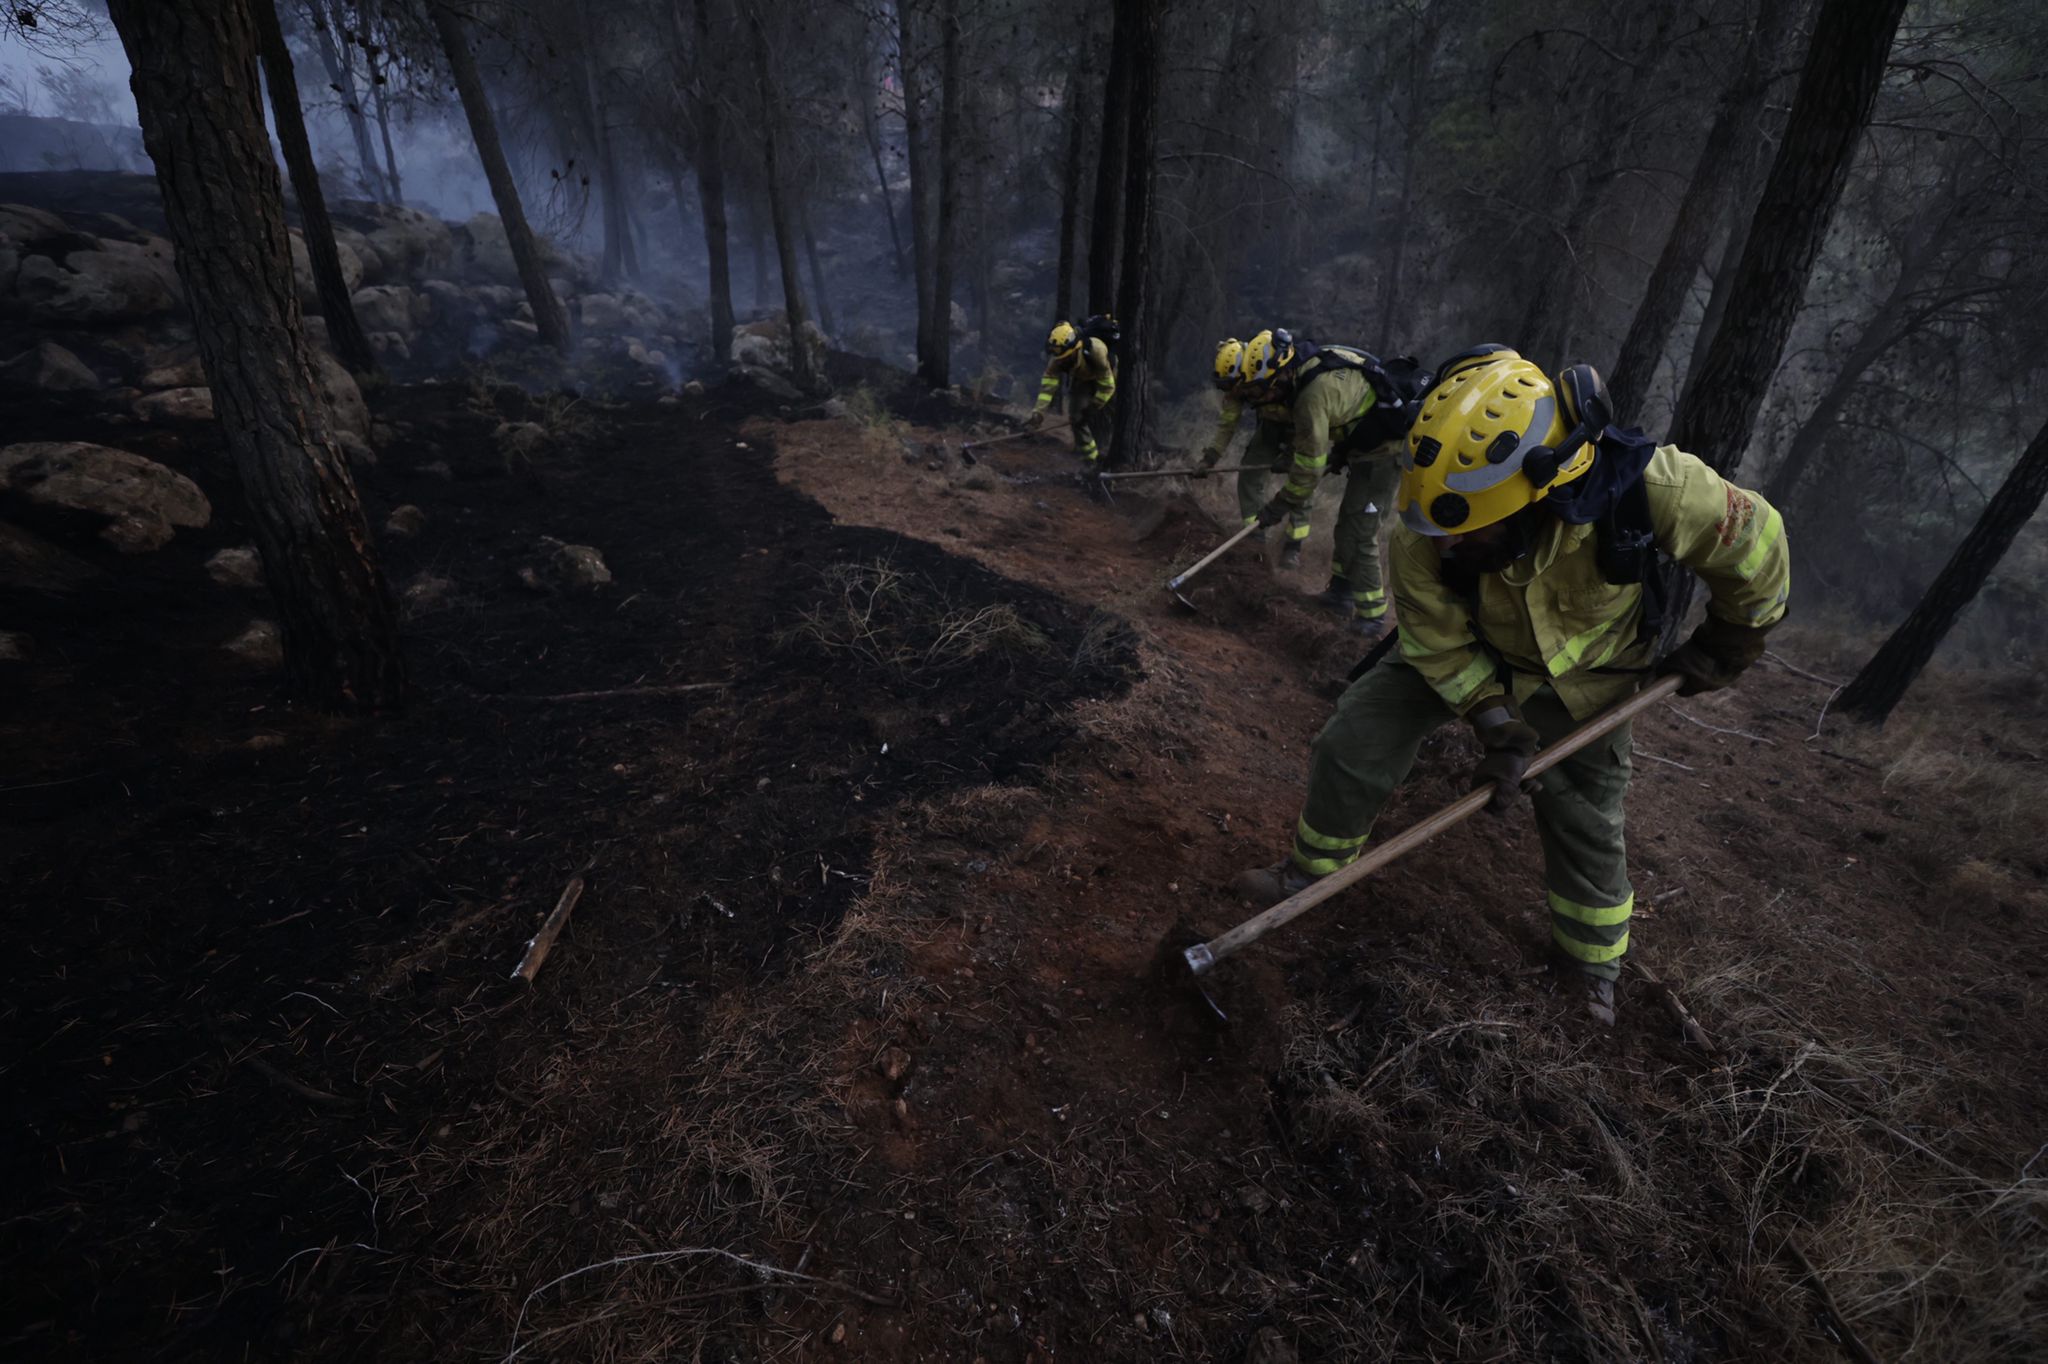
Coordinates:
51 275
240 568
176 405
47 367
391 308
302 270
138 503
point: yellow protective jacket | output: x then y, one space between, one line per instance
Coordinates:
1552 619
1327 404
1280 414
1087 363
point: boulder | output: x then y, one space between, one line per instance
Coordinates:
448 304
348 414
602 313
112 282
240 568
390 346
141 502
314 328
390 308
16 647
409 242
520 443
427 592
575 565
367 259
33 226
174 369
260 644
487 254
302 270
405 522
495 300
176 405
29 563
47 367
768 381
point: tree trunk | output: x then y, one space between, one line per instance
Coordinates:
817 267
918 159
616 262
1070 184
758 247
801 372
1844 66
377 88
1718 289
194 77
871 128
935 360
548 316
341 74
1140 22
1714 180
1421 56
1873 692
1103 238
342 327
710 178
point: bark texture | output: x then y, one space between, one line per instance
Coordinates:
1873 693
1141 21
710 174
935 342
548 316
801 371
343 329
1104 242
918 156
194 76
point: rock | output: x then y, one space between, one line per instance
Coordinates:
390 308
142 503
314 327
448 304
427 592
601 313
487 254
1270 1347
495 300
519 330
768 381
439 469
695 388
530 579
260 644
240 567
575 565
29 563
406 521
389 346
176 405
367 259
180 371
347 413
893 1064
33 226
520 442
16 647
408 241
302 270
113 282
836 409
47 367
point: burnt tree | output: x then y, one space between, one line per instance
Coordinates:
1103 239
918 158
801 370
1715 179
1141 21
339 59
1071 166
1873 692
343 329
194 77
710 167
548 315
935 341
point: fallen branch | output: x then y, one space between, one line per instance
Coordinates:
679 689
538 945
1735 733
1844 1332
1668 762
767 1272
1674 1006
1796 671
1444 1031
298 1087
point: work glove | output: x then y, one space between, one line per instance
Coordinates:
1035 420
1715 655
1509 742
1209 459
1275 511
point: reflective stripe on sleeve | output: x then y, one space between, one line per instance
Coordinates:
1575 648
1773 527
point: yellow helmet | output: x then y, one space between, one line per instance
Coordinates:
1062 340
1494 436
1229 369
1265 357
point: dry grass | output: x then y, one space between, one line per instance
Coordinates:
904 625
1520 1191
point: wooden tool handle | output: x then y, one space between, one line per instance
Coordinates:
1014 435
1174 584
1202 956
1186 473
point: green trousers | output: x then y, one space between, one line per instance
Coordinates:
1367 749
1090 421
1355 539
1269 450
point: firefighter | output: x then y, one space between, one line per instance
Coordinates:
1080 356
1523 567
1228 376
1327 409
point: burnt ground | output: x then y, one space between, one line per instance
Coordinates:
854 1053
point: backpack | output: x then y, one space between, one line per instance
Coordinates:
1102 327
1397 385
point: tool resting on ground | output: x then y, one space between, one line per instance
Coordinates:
968 448
1202 956
1188 472
1179 580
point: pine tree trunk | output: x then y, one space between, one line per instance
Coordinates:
871 128
1844 66
335 306
817 267
1718 289
341 73
1714 179
918 157
548 317
1873 692
1421 56
801 371
935 360
1070 186
1104 241
1140 21
194 77
377 89
710 177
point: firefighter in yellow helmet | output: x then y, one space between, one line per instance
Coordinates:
1524 575
1081 358
1266 448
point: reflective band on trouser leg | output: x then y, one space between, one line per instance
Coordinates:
1297 525
1320 854
1371 604
1596 935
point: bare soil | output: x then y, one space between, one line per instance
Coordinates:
857 1046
